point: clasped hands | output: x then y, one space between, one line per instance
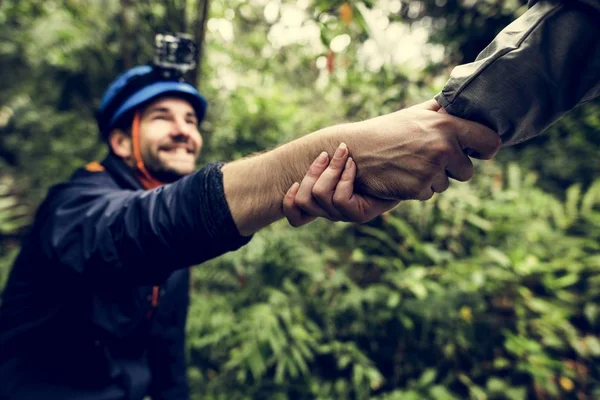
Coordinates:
430 147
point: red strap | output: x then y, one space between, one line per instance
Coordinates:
143 175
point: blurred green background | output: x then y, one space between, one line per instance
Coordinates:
488 291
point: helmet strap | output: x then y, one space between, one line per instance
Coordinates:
147 180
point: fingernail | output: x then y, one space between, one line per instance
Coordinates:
348 163
322 159
341 150
291 191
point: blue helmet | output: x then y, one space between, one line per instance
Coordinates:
138 86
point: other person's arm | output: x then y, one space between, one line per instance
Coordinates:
538 68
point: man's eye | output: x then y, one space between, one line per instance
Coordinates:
160 117
190 121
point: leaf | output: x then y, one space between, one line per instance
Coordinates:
593 344
591 311
572 202
427 377
498 256
418 289
439 392
479 222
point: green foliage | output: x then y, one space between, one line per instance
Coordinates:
489 290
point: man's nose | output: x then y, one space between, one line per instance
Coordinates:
180 127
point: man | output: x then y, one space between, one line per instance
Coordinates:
96 302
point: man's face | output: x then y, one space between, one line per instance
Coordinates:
170 141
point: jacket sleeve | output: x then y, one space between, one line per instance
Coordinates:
166 354
139 237
538 68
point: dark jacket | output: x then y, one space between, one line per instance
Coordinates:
77 319
538 68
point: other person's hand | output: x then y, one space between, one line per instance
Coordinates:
327 190
410 154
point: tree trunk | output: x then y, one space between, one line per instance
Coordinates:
125 38
202 9
183 16
176 16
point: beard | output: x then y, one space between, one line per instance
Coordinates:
166 175
168 171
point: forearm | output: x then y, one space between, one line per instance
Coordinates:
537 69
255 186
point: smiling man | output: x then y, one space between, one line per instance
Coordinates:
170 143
96 303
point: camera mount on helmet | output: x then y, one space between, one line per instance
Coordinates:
174 54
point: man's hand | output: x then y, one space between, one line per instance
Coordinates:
411 153
327 190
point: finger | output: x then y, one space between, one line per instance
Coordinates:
344 190
440 183
357 208
293 214
344 198
425 194
325 186
304 198
478 140
459 166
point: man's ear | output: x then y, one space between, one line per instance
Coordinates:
120 143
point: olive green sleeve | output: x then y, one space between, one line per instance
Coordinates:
538 68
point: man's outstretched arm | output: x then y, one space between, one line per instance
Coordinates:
538 68
398 156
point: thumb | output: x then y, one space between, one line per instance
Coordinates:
429 105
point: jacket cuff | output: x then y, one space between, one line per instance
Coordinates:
214 210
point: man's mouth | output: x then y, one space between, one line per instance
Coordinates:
178 149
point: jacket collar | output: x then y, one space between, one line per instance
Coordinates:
122 173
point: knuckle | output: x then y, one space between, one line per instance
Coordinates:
338 200
313 172
442 149
443 123
303 201
415 188
320 191
425 195
336 164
